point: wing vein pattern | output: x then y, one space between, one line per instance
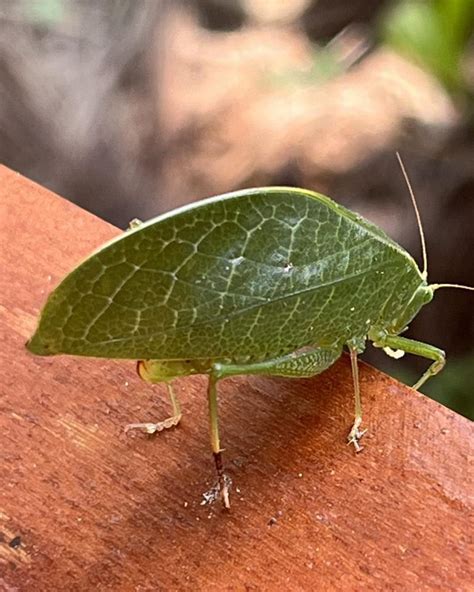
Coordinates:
252 274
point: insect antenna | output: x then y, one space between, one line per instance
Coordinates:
418 217
422 234
461 287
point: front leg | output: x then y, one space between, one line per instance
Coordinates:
418 348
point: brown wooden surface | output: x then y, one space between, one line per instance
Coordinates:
98 510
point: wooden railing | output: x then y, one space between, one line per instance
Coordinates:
85 507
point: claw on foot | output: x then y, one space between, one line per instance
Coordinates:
152 428
220 490
356 434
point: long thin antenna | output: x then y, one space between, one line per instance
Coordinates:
418 217
436 286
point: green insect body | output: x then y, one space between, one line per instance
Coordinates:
269 281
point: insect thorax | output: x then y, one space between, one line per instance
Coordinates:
421 296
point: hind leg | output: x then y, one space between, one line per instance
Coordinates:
165 424
304 363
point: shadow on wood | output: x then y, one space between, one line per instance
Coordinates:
86 507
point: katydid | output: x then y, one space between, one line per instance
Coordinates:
272 280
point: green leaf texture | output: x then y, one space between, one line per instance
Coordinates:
254 273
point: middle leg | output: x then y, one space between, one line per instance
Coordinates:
356 433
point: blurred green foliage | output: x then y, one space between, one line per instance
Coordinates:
453 387
46 12
325 65
435 33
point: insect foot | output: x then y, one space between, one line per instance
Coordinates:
152 428
135 223
220 490
356 434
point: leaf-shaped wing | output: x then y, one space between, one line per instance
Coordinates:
253 273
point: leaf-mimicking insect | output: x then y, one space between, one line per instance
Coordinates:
273 281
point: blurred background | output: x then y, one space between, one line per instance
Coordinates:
132 107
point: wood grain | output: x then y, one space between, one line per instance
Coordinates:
85 507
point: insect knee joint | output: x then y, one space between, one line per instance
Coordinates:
440 363
217 370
